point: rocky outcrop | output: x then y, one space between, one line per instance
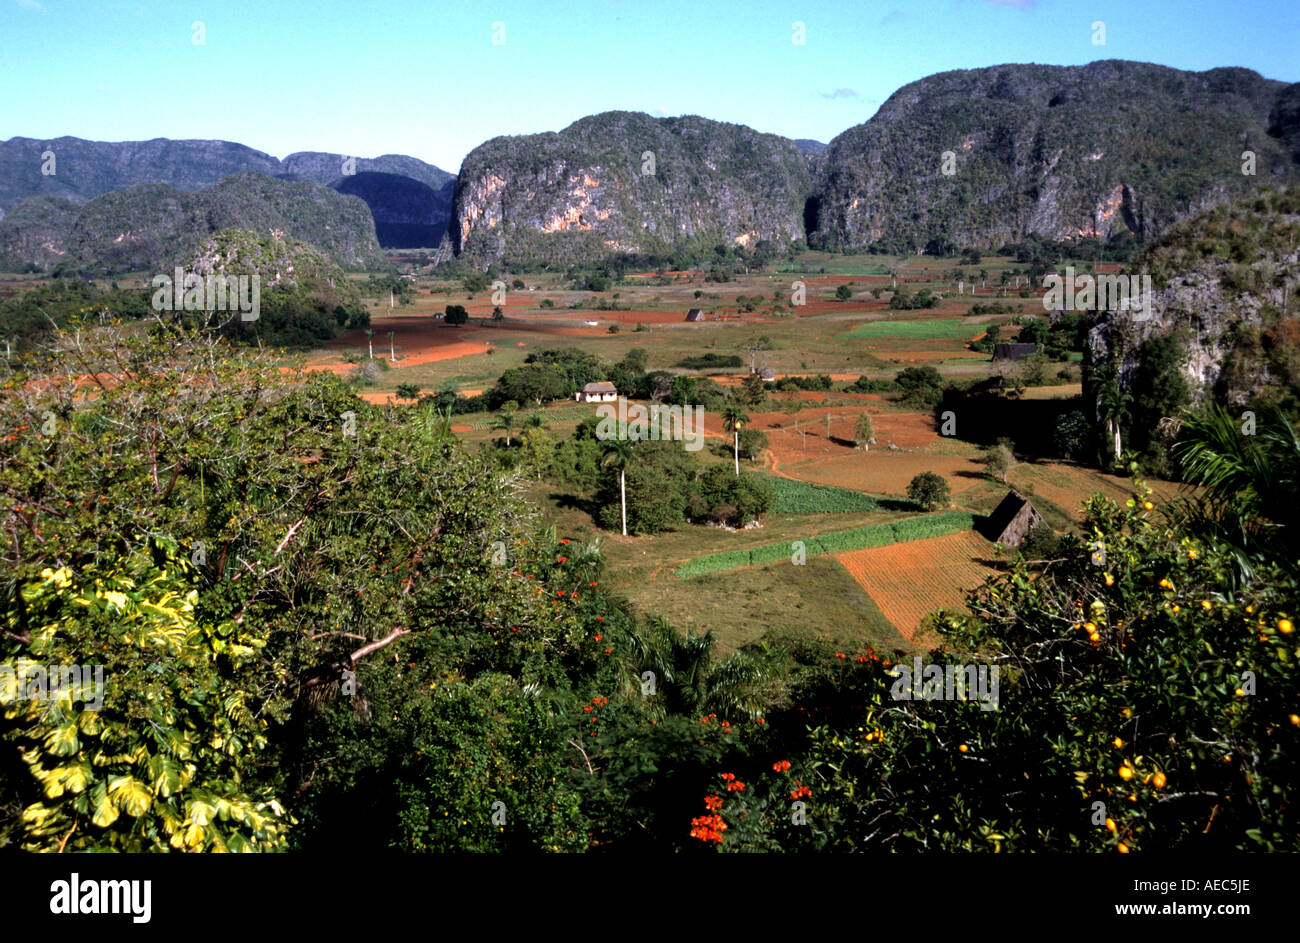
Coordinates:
1225 284
627 182
987 156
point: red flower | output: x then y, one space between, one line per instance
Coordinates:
591 584
800 792
609 651
735 787
713 803
588 708
708 828
781 765
599 637
728 776
839 654
561 559
565 540
600 618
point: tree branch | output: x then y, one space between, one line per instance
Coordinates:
374 646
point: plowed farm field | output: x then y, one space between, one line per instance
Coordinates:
910 580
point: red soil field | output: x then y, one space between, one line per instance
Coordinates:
910 580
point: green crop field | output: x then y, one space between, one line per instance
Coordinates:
914 330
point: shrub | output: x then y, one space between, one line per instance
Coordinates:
929 490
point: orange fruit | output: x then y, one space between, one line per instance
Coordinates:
1119 744
1122 848
1126 772
963 748
1159 781
1284 626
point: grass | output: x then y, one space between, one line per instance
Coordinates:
913 330
820 599
859 538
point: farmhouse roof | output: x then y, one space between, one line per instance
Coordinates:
601 387
695 314
1012 520
767 373
1013 351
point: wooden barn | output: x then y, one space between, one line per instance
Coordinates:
1013 351
695 314
1012 520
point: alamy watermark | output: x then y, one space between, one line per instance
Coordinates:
32 682
193 292
946 683
667 423
1098 293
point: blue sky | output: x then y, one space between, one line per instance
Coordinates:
426 79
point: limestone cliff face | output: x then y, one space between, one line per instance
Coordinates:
623 181
1063 152
1225 283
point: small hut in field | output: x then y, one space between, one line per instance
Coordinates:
1013 351
695 314
1012 520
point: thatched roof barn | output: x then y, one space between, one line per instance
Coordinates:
1012 520
1013 351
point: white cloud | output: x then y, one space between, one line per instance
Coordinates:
31 5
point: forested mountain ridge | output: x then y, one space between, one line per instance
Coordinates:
79 170
987 156
153 226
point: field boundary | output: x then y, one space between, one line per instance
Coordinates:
940 524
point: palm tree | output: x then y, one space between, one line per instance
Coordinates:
618 454
733 416
370 341
1114 399
1249 485
690 682
505 421
392 354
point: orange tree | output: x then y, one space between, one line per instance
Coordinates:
1144 704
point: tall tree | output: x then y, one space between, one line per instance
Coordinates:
505 421
864 431
733 417
618 455
1114 402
